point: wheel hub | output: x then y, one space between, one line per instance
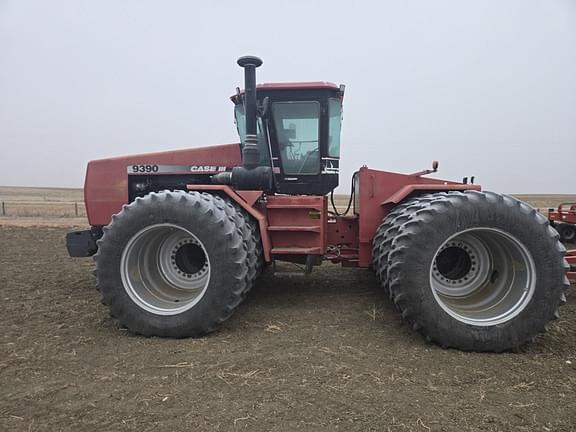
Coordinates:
482 276
460 266
188 259
165 269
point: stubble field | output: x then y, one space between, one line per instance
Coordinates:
325 352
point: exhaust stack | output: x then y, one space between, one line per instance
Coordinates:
249 176
251 152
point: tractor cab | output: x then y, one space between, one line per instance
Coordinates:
298 134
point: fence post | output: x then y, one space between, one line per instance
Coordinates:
3 209
76 208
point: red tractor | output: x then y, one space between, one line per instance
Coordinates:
180 237
564 220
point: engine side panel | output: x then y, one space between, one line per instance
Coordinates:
106 184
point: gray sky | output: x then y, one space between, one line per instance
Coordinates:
486 87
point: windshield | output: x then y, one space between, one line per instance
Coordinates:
297 129
262 142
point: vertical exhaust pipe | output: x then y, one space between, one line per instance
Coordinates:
249 176
251 152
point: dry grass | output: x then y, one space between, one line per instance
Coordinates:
54 203
39 209
27 202
543 202
27 194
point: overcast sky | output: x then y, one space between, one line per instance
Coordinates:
488 88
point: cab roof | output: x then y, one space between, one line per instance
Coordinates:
298 85
307 85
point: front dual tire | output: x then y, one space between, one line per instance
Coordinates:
175 263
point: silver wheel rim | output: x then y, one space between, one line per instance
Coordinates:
483 276
165 269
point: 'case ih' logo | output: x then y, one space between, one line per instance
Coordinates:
204 168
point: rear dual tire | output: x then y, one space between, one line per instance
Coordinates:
388 230
476 271
175 263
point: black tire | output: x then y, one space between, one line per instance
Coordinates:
377 240
251 241
388 230
567 232
507 304
195 215
255 228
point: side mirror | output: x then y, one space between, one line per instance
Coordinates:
428 171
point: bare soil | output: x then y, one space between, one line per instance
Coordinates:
326 352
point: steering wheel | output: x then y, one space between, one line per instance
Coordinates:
306 159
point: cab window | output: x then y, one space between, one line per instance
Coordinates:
297 126
240 117
334 127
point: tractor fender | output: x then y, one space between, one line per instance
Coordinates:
246 200
407 190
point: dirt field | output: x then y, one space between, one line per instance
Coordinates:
326 352
323 353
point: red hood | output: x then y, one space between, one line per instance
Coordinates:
106 184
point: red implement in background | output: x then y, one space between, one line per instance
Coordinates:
566 212
563 219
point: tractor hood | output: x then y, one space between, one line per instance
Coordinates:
106 185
